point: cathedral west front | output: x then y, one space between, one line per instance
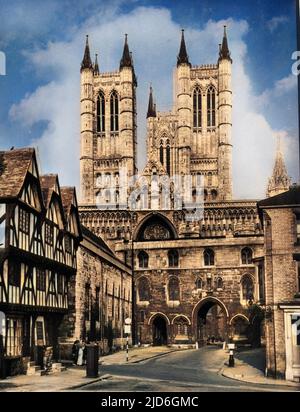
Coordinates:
194 276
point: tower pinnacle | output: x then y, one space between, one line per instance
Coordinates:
86 61
151 106
126 60
279 182
96 65
224 52
183 56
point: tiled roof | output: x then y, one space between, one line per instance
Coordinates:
48 183
67 195
289 198
14 165
100 242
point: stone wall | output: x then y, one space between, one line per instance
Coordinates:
102 296
280 282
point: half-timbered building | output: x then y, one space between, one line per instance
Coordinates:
40 234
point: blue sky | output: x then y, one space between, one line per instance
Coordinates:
43 42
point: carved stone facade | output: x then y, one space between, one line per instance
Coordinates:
193 279
149 238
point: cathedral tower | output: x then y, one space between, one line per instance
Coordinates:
108 127
194 138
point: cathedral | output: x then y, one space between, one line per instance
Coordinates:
192 247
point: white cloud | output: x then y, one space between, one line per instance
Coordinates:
280 88
275 22
154 39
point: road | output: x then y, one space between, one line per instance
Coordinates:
183 371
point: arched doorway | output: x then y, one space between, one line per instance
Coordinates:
239 329
210 320
159 330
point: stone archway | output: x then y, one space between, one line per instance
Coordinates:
155 226
159 331
210 320
239 328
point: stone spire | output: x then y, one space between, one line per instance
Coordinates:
96 65
151 106
224 52
183 56
86 61
126 60
279 182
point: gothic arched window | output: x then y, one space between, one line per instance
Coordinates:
214 194
99 179
246 255
197 108
211 107
168 158
161 153
100 113
181 326
247 288
219 283
107 195
209 179
173 258
209 257
114 112
199 283
173 288
165 155
143 259
144 289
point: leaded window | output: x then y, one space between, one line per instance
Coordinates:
174 288
49 234
246 255
209 257
144 289
24 221
41 280
247 288
173 258
143 259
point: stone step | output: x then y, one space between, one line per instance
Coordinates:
34 368
31 363
36 373
58 367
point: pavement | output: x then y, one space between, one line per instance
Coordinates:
162 369
75 376
249 367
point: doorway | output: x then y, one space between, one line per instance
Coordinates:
211 321
159 331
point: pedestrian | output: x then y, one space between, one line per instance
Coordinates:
80 354
84 352
75 350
